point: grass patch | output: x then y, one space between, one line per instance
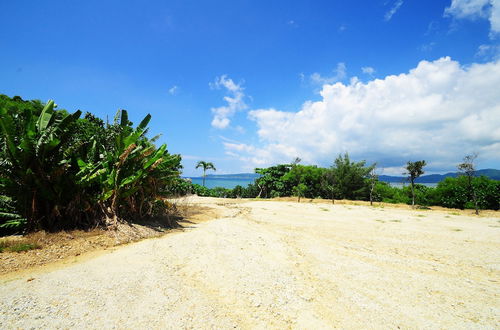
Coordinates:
17 246
396 220
382 221
447 216
457 229
324 209
421 215
454 213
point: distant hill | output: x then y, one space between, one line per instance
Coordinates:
435 178
431 178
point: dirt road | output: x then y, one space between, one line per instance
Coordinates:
279 265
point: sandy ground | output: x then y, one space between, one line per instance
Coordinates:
263 264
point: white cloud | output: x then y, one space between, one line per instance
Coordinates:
473 9
174 90
427 47
235 101
437 111
340 73
488 52
393 10
368 70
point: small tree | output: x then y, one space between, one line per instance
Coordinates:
299 190
328 184
468 169
414 170
206 166
350 178
373 178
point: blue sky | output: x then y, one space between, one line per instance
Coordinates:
246 84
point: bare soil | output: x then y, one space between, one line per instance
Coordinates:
278 264
55 249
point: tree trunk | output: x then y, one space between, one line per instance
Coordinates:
203 177
473 193
412 195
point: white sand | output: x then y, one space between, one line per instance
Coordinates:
279 265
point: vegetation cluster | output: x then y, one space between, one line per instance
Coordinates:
61 171
350 180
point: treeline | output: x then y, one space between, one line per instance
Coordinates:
60 170
346 179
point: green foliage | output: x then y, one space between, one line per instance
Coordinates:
178 187
17 246
299 190
201 190
10 221
308 175
270 180
414 170
350 178
206 166
455 193
310 182
35 158
76 172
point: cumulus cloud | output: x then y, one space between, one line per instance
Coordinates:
339 74
437 111
395 7
474 9
235 101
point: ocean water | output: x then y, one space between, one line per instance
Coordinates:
405 184
231 183
225 183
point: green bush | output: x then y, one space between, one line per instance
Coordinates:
77 172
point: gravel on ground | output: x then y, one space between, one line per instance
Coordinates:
269 264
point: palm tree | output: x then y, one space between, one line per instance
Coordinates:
206 166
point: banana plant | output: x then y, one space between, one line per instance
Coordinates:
37 176
127 172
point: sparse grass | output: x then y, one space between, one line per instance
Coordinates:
396 220
454 213
421 215
324 209
447 216
17 246
382 221
457 229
